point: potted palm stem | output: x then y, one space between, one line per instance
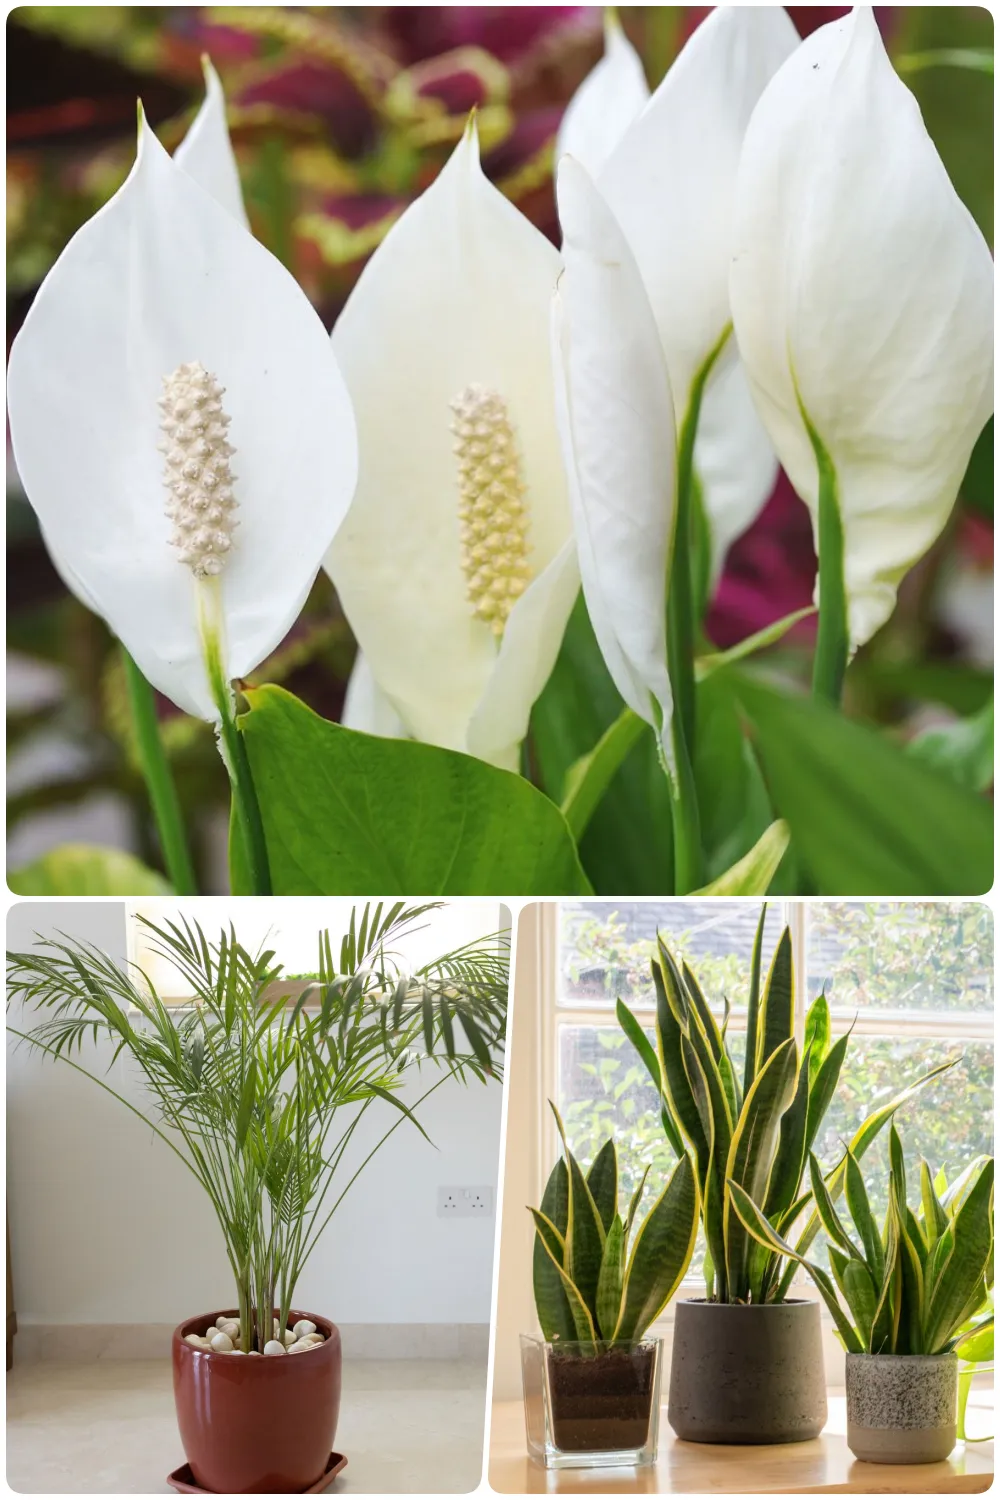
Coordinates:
906 1300
747 1362
601 1278
260 1094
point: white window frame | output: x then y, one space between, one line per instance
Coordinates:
974 1026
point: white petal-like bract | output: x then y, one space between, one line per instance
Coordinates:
444 344
611 96
618 435
366 707
862 295
163 277
206 152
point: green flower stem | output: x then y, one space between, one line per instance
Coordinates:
159 782
233 750
683 807
832 636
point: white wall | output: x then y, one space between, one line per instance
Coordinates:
108 1227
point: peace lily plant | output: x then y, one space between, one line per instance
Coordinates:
762 262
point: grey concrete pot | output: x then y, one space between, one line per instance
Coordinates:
747 1374
902 1408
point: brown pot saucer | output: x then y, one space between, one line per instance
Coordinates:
183 1480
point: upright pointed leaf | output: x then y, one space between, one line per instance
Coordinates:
817 1034
752 1151
609 1282
777 1021
753 1004
935 1218
864 1220
973 1231
554 1314
661 1253
602 1179
583 1323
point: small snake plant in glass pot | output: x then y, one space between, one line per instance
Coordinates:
601 1278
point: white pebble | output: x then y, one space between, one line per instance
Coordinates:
195 1339
236 1351
302 1327
299 1347
290 1337
222 1343
273 1347
255 1352
233 1330
222 1319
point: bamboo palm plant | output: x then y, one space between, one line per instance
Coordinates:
754 1126
247 1087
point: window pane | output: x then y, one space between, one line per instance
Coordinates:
907 956
949 1122
605 948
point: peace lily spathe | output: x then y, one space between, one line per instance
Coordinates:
456 565
181 429
670 180
611 96
646 250
862 296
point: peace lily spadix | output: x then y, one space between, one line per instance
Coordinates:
862 296
456 565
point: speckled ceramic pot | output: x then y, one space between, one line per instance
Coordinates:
743 1373
902 1408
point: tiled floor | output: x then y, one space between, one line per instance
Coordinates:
406 1426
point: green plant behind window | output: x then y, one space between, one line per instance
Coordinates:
919 1285
754 1126
247 1089
591 1288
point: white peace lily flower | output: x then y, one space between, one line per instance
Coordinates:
456 564
180 426
617 426
607 101
670 182
862 296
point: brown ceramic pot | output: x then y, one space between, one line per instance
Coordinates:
253 1426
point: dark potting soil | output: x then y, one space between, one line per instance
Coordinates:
601 1403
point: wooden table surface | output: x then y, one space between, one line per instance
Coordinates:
823 1466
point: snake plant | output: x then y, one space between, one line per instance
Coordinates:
914 1287
754 1127
591 1288
249 1087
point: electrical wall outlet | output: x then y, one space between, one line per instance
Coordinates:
465 1203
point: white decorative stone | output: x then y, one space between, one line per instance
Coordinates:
289 1337
222 1319
273 1347
197 476
222 1343
299 1347
231 1327
195 1339
302 1327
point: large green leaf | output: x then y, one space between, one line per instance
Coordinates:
583 1323
87 870
960 1277
962 751
860 1210
602 1179
868 819
347 813
752 875
661 1253
627 848
777 1014
753 1003
555 1317
609 1282
752 1152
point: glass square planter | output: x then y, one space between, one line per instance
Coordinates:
591 1411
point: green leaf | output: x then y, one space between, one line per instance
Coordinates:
392 1098
587 778
859 1207
87 870
976 1345
578 703
817 1035
583 1324
602 1179
609 1282
973 1231
777 1018
347 813
828 1216
859 1292
734 810
555 1317
962 751
584 1230
758 1227
753 1004
661 1253
752 875
753 1148
935 1218
867 818
769 636
972 59
647 1052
